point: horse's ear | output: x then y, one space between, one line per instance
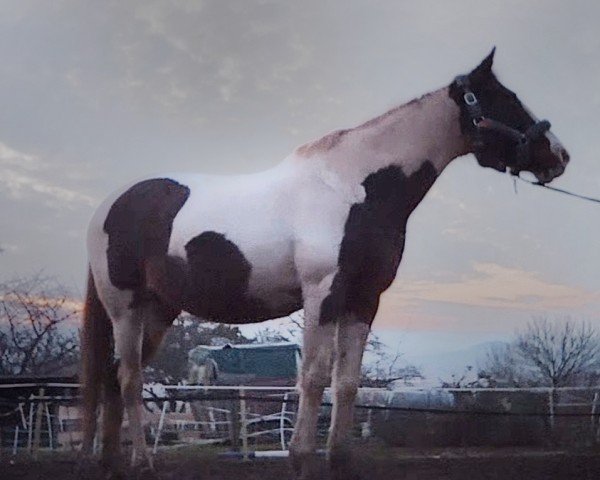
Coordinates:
483 71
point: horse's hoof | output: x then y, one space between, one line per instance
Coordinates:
341 466
142 462
305 465
146 472
84 464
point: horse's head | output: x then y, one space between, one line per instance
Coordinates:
502 132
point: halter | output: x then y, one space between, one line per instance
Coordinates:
523 140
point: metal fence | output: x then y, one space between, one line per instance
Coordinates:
250 418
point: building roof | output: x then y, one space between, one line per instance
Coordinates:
274 360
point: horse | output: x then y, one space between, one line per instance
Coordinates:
324 230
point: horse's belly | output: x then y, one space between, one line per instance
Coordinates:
276 286
227 299
231 279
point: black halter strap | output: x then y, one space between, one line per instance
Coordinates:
523 140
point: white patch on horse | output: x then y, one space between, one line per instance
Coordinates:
555 145
402 137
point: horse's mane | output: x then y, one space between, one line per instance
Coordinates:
332 139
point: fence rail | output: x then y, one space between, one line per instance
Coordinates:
245 415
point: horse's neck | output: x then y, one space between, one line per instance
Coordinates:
421 131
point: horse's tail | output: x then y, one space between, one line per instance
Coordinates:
96 353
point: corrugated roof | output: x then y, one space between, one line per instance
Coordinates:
275 360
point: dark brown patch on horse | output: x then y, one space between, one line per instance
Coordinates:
139 226
218 276
501 104
165 279
211 283
373 242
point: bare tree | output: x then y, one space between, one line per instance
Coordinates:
35 335
385 366
503 365
547 352
470 378
559 350
171 361
296 328
270 335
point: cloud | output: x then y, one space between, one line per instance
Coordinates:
494 286
8 247
65 303
21 175
231 77
135 88
11 157
67 308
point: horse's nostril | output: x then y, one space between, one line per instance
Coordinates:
564 155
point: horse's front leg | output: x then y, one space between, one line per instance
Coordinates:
317 358
350 340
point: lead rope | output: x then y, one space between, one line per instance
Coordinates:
559 190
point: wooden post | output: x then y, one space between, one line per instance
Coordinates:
595 421
551 407
234 425
50 430
244 424
365 431
593 416
30 425
16 441
37 433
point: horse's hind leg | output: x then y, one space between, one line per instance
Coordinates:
129 331
112 418
129 335
155 326
137 336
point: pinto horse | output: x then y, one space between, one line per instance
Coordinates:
324 230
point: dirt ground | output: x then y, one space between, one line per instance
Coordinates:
443 464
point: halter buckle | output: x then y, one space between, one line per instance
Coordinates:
470 98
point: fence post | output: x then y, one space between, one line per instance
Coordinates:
595 421
551 407
282 420
16 441
159 428
37 434
244 424
30 425
593 417
234 425
50 429
366 427
69 425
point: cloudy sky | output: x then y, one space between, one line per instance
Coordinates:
94 94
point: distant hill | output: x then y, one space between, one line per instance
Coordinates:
441 366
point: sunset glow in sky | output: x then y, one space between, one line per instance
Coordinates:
94 95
